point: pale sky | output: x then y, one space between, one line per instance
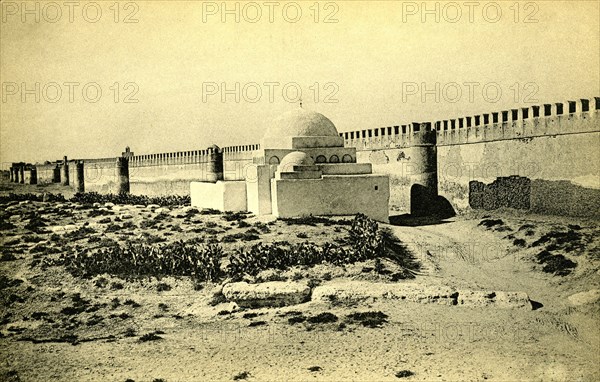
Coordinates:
372 61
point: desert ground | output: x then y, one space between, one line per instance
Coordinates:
57 325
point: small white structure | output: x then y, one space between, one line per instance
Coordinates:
302 168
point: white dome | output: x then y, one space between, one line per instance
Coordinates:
296 158
301 123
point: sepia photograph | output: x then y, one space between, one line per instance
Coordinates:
347 190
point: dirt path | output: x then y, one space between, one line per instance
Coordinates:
459 254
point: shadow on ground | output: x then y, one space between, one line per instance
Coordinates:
416 221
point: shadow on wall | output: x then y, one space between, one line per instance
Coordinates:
540 196
511 191
562 197
423 202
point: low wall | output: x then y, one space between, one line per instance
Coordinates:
222 196
160 187
368 194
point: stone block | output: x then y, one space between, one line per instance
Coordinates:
366 291
583 298
275 293
358 291
222 195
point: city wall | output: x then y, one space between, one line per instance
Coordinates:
152 174
171 173
558 151
553 145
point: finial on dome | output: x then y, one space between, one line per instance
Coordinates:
300 102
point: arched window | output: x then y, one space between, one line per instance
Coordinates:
334 159
321 159
347 158
274 160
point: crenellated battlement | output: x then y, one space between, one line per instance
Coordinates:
172 158
192 157
240 149
535 121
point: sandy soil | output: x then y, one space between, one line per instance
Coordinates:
200 341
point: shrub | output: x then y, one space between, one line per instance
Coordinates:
519 243
164 201
323 318
367 242
569 241
36 224
117 286
164 307
94 239
7 257
489 223
243 224
365 237
210 211
112 228
130 332
32 239
203 263
6 225
242 375
262 227
115 303
101 282
129 225
249 235
404 374
314 220
556 264
80 233
235 216
153 336
132 303
368 319
12 197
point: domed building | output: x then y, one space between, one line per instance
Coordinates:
302 168
307 131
